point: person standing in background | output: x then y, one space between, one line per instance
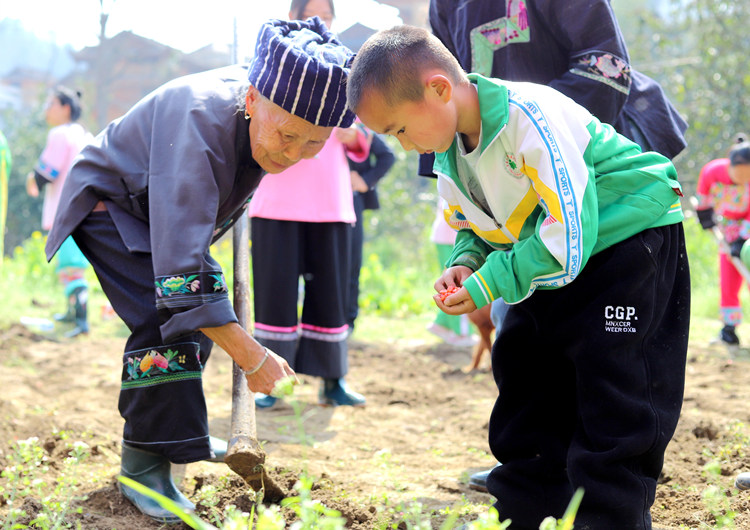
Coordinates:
574 46
64 141
724 189
301 227
365 177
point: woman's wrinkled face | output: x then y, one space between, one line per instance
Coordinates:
279 139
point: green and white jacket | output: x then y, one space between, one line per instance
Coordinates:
561 186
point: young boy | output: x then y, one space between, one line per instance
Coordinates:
582 233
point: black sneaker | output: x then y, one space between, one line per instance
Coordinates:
729 336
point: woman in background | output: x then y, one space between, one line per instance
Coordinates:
301 226
64 141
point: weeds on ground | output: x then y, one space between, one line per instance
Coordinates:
715 499
311 514
27 463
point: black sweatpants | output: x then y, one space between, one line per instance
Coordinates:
590 380
161 397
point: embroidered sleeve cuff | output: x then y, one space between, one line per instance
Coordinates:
209 315
185 290
190 301
604 67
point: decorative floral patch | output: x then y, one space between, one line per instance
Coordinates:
220 284
191 283
161 365
498 33
154 363
606 68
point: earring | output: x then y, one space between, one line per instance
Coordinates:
247 115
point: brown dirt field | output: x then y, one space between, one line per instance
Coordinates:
422 433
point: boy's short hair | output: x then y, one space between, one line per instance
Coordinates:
392 62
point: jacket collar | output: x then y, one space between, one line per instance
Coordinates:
493 105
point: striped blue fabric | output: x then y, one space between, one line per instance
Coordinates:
302 67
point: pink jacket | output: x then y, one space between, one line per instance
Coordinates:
64 142
315 190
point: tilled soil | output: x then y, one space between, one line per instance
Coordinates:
422 433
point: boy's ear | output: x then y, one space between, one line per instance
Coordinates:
441 86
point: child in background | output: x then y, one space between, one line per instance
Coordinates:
581 233
65 140
723 190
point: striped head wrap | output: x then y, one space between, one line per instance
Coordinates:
301 67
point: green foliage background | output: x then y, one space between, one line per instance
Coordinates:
698 50
26 134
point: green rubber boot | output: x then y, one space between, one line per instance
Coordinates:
155 472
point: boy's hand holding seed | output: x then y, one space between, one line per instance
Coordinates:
452 298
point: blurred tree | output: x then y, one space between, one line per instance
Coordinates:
26 133
698 50
102 70
399 231
6 162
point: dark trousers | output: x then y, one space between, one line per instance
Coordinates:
358 236
161 397
590 380
282 251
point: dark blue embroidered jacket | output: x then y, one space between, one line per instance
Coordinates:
174 172
574 46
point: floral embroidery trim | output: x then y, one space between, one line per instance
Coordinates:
156 366
190 283
606 68
153 362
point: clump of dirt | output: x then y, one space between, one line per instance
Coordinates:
235 491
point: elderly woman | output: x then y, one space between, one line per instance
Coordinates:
146 200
